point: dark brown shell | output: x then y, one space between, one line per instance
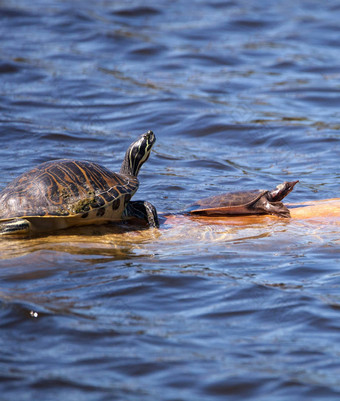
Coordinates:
228 203
64 188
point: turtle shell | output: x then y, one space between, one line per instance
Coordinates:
231 203
67 188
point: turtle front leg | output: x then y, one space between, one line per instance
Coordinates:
279 209
142 210
264 206
15 226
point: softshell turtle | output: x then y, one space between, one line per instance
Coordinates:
65 193
259 201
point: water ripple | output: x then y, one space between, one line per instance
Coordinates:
239 96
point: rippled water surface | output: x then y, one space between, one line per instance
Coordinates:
240 95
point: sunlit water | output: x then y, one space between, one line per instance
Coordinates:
239 96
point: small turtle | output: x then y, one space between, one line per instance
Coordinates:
245 202
65 193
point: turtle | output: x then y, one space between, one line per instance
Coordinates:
260 201
64 193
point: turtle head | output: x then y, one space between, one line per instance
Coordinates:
137 154
282 190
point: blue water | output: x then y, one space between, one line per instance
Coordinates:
239 96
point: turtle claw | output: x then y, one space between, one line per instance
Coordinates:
151 214
142 210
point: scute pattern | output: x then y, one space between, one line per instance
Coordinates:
65 188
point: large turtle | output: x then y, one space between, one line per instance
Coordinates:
245 202
65 193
